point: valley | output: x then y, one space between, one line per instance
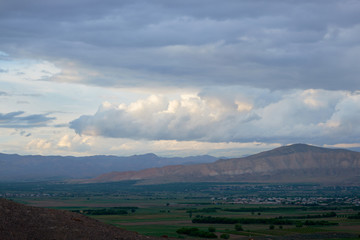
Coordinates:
292 192
311 211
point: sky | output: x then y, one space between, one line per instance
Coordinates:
178 78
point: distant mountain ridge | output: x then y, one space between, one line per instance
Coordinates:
294 163
15 167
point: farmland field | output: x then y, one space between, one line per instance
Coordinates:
229 210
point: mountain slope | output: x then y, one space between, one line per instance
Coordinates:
18 221
14 167
294 163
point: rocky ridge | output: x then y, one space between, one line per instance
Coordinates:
294 163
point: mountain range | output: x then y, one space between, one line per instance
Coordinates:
293 163
14 167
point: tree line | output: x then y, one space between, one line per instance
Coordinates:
274 221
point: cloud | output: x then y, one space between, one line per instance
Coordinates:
16 120
64 142
241 72
152 118
343 123
25 134
25 69
75 143
39 145
312 116
275 45
22 102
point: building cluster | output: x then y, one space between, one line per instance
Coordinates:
34 195
301 201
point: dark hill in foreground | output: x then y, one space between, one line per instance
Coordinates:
18 222
294 163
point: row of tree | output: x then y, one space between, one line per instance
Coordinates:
195 232
103 211
274 221
325 215
356 216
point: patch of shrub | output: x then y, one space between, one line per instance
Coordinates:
212 229
195 232
225 236
238 227
105 211
356 216
225 220
319 223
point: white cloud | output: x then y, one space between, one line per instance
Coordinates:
220 149
75 143
343 145
27 69
64 142
303 115
39 145
344 123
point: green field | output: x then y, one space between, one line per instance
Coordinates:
161 210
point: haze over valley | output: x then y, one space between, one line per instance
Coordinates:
42 168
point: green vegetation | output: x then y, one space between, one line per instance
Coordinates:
357 216
219 220
238 227
225 236
212 229
195 232
324 215
225 220
275 221
103 211
319 223
204 210
231 209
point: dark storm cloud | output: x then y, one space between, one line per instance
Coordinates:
267 44
17 120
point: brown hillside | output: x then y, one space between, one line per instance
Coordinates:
294 163
18 221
